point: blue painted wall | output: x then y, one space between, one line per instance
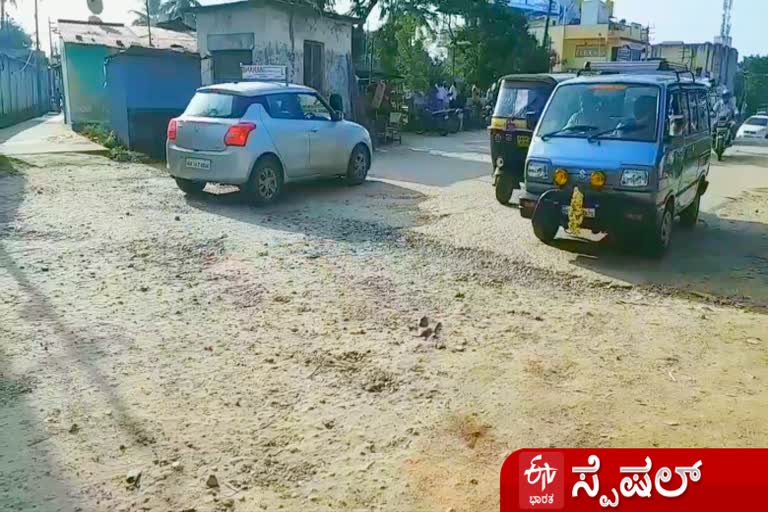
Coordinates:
145 90
85 97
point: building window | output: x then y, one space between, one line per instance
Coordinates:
226 64
313 65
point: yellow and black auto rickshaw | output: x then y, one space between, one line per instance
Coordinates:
520 101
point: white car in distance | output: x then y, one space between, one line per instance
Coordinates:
756 127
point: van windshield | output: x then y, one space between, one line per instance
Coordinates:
516 99
613 110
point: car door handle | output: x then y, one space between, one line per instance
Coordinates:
314 130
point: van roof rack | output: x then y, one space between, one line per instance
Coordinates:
650 66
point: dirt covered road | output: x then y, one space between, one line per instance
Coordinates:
383 347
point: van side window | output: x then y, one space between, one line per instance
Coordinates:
686 113
693 111
678 112
704 123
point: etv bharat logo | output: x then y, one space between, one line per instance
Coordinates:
542 483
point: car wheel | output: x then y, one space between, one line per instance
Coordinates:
505 186
545 223
661 237
690 216
359 164
266 181
190 187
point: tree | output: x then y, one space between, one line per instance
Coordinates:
400 47
492 41
175 8
485 38
2 10
142 16
13 36
756 82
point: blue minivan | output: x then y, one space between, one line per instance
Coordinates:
624 150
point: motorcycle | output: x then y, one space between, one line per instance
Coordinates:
723 136
443 121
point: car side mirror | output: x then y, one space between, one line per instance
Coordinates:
337 116
336 102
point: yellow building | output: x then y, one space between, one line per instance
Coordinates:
595 39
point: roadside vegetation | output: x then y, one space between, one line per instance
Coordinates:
10 166
116 150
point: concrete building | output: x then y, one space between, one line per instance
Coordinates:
596 37
315 47
85 47
715 61
146 87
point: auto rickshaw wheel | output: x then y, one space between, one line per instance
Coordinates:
545 222
505 186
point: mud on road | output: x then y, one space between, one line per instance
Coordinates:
382 347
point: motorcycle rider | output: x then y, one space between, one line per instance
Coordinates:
725 111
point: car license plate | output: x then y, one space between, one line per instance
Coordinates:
523 141
199 163
589 213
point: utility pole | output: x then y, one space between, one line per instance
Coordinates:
50 36
37 30
545 43
149 24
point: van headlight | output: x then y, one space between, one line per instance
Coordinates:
634 178
536 171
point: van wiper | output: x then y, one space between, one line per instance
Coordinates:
629 127
572 128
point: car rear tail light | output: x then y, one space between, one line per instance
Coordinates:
237 135
172 128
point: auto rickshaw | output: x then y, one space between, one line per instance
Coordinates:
519 104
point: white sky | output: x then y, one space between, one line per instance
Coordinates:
687 20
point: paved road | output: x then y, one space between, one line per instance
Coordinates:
725 255
47 134
444 161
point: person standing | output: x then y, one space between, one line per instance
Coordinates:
442 96
453 95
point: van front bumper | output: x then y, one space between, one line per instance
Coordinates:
613 210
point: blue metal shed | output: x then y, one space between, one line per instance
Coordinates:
146 87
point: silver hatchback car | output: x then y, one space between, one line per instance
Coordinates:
260 136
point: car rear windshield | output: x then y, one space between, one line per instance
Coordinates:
218 105
516 99
757 121
616 110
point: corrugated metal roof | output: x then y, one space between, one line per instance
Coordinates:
165 39
117 35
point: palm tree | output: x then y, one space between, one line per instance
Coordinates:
2 10
142 16
175 8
